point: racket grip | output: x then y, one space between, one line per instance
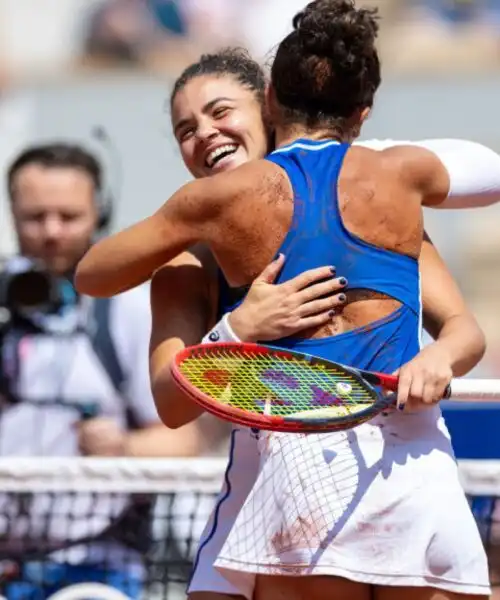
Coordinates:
474 389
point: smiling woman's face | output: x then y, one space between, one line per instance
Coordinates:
218 124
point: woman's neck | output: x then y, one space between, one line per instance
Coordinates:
288 135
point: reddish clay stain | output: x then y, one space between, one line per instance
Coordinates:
305 534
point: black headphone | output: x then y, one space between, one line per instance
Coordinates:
105 194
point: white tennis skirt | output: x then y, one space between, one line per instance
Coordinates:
380 504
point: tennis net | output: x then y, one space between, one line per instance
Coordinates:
137 520
141 518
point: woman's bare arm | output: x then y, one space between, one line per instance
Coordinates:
180 309
130 257
459 342
446 315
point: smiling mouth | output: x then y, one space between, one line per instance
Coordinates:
219 153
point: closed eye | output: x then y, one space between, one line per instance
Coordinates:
185 134
221 111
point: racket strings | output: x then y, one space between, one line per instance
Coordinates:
304 490
274 385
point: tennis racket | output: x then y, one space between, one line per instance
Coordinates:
280 390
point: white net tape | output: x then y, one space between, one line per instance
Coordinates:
480 477
132 475
107 475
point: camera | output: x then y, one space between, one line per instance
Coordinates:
29 297
26 288
27 291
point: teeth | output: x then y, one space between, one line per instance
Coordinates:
218 152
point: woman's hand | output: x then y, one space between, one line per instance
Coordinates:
273 311
423 380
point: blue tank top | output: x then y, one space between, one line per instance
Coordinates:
317 237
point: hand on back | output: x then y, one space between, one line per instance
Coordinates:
272 311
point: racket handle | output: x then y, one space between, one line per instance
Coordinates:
474 389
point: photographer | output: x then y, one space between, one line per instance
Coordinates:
74 379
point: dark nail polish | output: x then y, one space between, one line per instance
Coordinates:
333 270
342 298
401 407
331 313
343 281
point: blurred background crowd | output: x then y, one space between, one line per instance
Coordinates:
161 36
89 80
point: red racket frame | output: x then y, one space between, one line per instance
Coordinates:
283 423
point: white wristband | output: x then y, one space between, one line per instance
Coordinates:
221 332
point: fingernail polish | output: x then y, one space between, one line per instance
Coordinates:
279 256
331 313
333 270
343 281
342 298
401 407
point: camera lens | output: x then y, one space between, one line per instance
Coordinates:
29 290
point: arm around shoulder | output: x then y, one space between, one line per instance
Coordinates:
452 173
130 257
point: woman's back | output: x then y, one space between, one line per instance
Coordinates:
328 203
